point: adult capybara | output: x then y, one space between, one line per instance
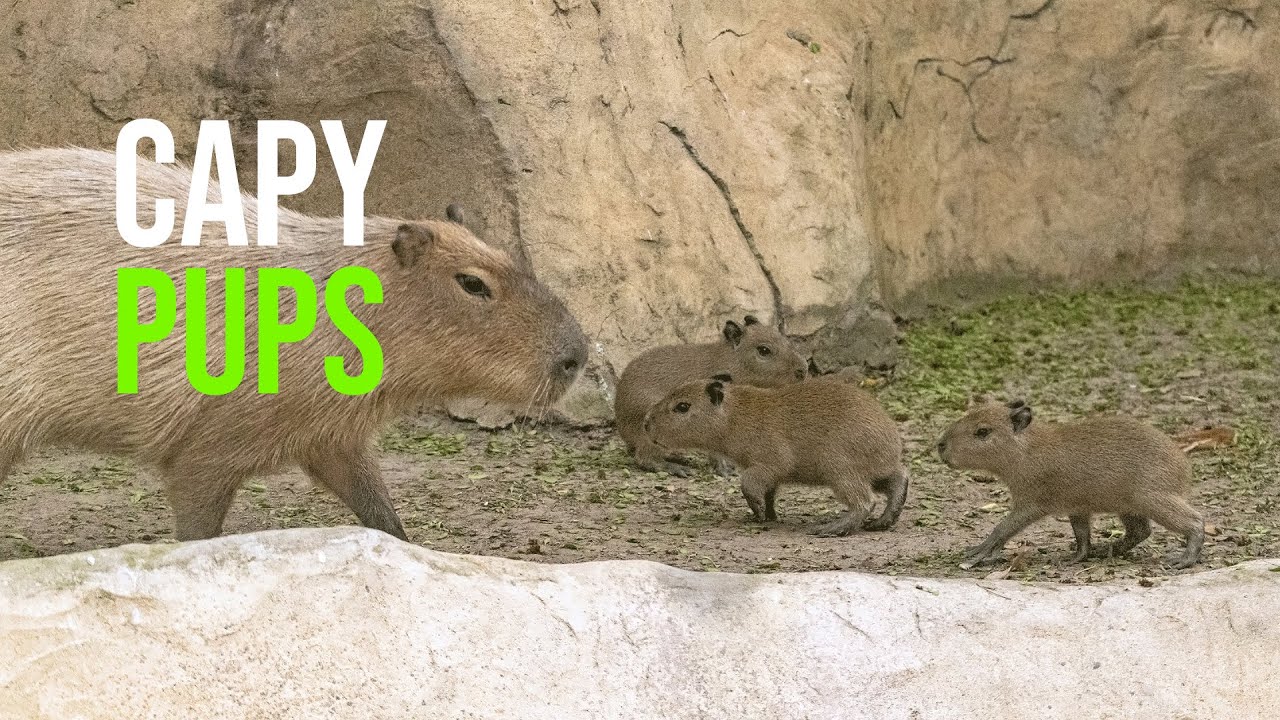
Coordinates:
457 318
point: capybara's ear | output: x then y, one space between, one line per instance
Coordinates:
1016 404
715 391
813 368
750 320
411 243
1020 418
454 213
723 377
733 332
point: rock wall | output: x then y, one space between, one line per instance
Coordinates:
1073 140
346 623
667 165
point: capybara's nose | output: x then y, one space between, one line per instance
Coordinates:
942 446
800 374
648 425
568 365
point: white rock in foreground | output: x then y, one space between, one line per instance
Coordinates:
348 623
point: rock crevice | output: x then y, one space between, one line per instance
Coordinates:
779 314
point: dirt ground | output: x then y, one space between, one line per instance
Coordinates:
1198 353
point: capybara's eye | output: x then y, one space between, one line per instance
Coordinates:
473 285
682 407
981 432
764 350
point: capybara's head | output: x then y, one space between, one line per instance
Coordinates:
691 417
765 357
461 319
989 438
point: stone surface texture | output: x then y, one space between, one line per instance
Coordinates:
349 623
667 165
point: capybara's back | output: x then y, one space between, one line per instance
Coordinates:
60 251
457 319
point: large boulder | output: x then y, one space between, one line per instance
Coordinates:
668 165
347 623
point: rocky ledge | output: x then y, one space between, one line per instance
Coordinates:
349 623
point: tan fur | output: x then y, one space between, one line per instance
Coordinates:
822 431
658 371
60 250
1095 465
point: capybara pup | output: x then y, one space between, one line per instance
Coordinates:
1095 465
753 353
818 432
457 318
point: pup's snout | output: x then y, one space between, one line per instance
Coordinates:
942 446
800 374
648 425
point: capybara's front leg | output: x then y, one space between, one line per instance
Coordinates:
354 477
1081 527
1019 517
9 456
200 496
651 458
756 484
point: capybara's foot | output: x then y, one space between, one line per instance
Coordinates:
846 524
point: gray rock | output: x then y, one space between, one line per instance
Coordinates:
347 623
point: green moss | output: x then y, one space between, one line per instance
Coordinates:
1074 349
414 442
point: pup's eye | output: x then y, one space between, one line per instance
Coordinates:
981 432
682 407
764 350
473 285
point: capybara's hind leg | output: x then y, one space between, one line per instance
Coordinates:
200 498
1179 517
1136 529
856 495
894 490
355 478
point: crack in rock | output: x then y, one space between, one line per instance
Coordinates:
1242 17
747 237
731 31
986 64
1034 13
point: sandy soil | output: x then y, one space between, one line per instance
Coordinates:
1202 353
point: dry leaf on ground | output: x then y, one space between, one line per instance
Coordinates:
1209 438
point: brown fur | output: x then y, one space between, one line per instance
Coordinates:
1096 465
60 251
818 432
658 371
